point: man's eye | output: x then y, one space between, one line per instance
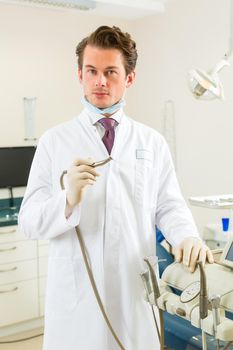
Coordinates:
92 71
111 72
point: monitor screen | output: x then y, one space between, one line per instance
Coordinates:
15 164
229 255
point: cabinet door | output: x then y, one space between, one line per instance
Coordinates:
18 302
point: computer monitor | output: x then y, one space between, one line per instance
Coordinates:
15 164
227 254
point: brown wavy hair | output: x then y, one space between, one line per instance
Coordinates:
106 37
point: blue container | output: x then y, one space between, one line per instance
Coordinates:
225 224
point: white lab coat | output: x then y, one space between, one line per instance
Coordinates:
117 218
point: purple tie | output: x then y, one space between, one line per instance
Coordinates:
108 139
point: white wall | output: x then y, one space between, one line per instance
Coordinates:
38 59
190 34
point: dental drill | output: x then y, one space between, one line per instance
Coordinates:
88 265
203 302
153 287
215 305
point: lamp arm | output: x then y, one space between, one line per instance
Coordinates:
229 56
220 65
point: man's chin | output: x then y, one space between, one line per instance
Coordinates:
101 106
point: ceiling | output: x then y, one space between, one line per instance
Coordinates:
126 9
129 9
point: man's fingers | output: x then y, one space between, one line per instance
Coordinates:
80 177
203 254
192 250
84 183
87 168
86 176
80 161
196 254
210 256
187 251
83 169
178 254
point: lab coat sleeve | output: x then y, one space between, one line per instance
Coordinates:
173 216
42 213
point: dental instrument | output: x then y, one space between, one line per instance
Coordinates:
87 263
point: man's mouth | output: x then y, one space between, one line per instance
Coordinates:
100 93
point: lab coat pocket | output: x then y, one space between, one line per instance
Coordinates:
61 292
144 180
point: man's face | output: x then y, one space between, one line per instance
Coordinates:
103 76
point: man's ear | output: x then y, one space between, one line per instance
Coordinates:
80 77
130 79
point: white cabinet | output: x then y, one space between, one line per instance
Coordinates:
17 271
18 302
43 249
17 251
10 234
23 271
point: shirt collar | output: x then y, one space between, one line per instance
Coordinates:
94 118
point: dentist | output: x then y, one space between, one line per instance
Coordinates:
116 207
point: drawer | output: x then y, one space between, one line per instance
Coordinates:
18 302
42 286
17 251
10 234
18 271
43 266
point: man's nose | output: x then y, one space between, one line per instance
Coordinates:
101 80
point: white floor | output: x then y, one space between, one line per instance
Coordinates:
31 344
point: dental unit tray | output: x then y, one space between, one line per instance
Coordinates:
216 202
219 281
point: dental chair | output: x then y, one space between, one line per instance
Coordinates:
179 333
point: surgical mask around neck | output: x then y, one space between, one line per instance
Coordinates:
108 110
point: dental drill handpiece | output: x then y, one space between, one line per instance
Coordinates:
203 302
154 281
100 163
215 304
156 293
145 276
203 293
93 165
89 268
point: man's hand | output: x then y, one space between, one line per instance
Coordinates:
190 251
79 176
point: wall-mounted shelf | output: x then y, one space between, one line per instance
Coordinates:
213 202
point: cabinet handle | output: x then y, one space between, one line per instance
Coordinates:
9 270
5 232
7 249
9 290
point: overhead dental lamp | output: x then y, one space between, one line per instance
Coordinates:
207 85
